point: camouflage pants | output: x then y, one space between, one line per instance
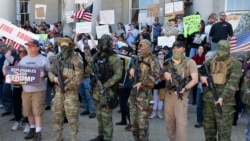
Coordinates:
214 124
103 115
66 105
139 115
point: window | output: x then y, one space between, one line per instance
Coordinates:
237 5
139 6
23 10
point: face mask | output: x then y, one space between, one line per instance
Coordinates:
222 55
66 51
178 55
145 52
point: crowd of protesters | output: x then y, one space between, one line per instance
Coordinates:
200 46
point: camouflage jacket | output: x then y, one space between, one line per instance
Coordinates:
71 77
228 89
245 89
88 69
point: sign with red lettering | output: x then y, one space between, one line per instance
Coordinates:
15 33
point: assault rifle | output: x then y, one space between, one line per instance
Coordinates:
136 75
177 82
60 76
213 89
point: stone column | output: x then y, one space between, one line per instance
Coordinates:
67 5
204 7
97 5
8 10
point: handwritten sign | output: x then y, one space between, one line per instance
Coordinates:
169 8
142 18
23 76
103 29
80 1
107 17
191 24
125 62
83 27
68 16
153 10
40 11
179 7
166 41
91 44
15 33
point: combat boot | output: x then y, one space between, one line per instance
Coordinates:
98 138
37 137
159 114
153 115
31 134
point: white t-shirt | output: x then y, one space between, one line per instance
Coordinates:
207 31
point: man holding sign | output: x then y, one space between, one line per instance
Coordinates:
33 96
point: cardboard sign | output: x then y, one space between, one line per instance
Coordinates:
169 8
153 10
107 17
83 27
23 75
81 1
90 43
142 18
166 41
15 33
103 29
40 11
191 24
174 8
68 16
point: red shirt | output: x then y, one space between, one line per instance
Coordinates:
199 59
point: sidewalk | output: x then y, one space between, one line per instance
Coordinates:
88 129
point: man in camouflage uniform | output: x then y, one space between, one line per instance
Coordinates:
182 71
66 104
245 97
149 68
226 72
107 69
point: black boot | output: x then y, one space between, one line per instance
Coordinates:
123 121
37 137
98 138
31 134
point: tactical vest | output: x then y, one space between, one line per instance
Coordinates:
219 70
102 69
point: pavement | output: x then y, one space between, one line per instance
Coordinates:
88 129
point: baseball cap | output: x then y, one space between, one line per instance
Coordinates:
131 24
32 41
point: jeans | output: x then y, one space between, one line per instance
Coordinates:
248 125
213 46
199 103
7 97
192 52
84 90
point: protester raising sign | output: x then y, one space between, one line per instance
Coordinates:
15 33
191 24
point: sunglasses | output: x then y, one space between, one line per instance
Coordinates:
22 51
161 53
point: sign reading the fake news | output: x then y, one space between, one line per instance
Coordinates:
15 33
22 75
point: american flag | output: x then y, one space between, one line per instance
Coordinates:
85 14
15 44
240 42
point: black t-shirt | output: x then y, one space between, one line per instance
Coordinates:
221 31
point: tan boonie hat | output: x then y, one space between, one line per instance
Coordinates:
223 45
145 42
65 40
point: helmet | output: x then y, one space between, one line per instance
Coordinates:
105 43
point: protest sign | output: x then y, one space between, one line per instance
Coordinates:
179 7
22 75
166 41
83 27
40 11
142 18
80 1
42 38
125 63
91 44
191 24
107 17
153 10
169 8
15 33
103 29
68 16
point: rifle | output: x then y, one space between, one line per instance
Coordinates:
213 89
177 82
136 75
60 76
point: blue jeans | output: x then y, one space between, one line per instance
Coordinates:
87 100
248 124
199 103
192 52
213 46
